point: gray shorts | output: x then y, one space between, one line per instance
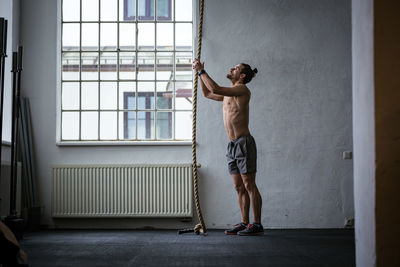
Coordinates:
242 155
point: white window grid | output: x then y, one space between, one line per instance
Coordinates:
136 22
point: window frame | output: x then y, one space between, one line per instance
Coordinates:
59 51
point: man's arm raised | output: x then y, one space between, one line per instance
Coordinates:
207 93
236 90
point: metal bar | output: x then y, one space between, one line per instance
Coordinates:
174 75
13 116
131 21
3 55
118 63
136 66
99 76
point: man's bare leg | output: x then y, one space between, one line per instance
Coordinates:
249 181
243 197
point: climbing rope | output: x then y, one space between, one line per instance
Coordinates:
201 227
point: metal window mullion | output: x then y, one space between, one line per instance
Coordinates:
131 21
114 110
151 50
127 80
80 72
155 69
98 73
137 68
174 77
118 78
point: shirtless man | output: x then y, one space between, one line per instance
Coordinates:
241 151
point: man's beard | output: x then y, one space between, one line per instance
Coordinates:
229 76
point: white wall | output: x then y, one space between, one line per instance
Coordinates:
300 112
364 131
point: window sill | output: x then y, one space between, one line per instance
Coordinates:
124 143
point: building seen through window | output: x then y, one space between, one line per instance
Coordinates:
126 70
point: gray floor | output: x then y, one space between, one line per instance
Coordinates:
166 248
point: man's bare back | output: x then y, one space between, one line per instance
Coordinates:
236 115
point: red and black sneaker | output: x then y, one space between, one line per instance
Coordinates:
252 229
236 228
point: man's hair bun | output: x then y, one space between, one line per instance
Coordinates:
250 73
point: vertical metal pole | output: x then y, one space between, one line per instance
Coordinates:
3 55
17 109
14 85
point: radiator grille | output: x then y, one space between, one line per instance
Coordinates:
122 191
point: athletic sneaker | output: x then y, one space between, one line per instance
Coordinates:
252 229
236 228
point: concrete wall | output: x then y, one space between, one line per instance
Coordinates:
364 131
387 130
300 111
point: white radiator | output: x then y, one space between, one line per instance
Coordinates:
122 191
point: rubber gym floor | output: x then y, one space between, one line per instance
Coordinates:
332 247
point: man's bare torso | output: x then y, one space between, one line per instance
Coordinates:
236 115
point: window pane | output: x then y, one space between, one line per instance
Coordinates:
165 87
183 10
70 95
127 92
90 10
146 66
164 100
127 125
127 64
70 38
183 36
183 125
108 125
90 36
146 36
70 126
165 36
145 95
127 36
164 125
183 95
90 95
71 10
165 66
90 126
164 9
108 10
145 121
108 95
183 66
146 9
70 66
90 64
108 66
108 36
127 10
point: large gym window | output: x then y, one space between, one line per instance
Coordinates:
126 70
